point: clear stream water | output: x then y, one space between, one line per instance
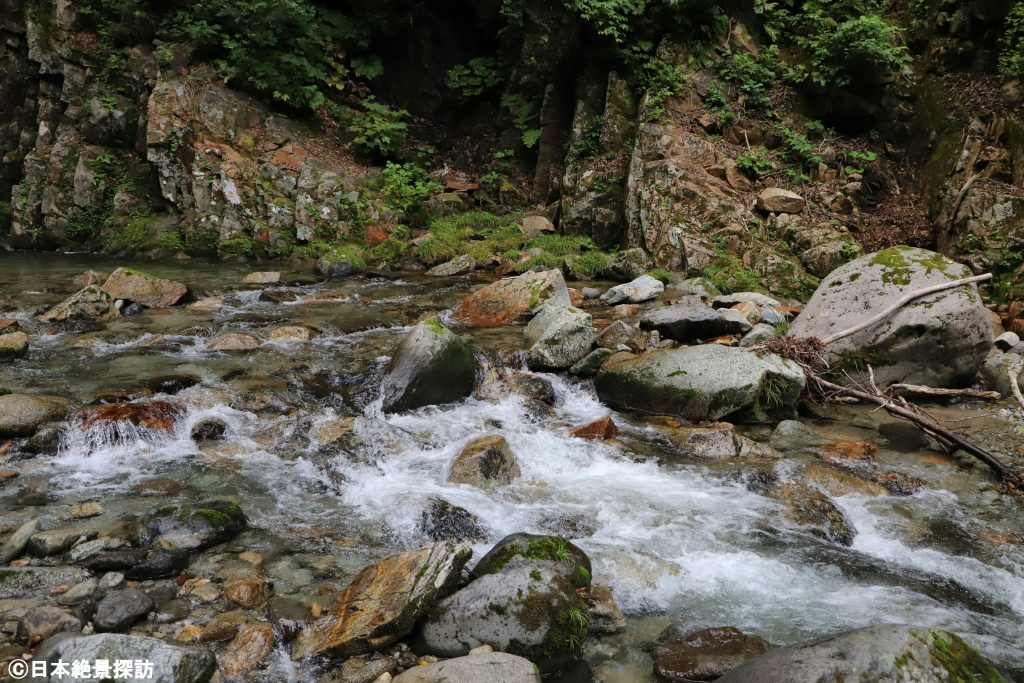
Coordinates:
681 542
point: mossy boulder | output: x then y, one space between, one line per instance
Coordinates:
13 345
192 526
698 383
558 337
528 608
887 652
432 366
140 288
564 557
88 303
938 340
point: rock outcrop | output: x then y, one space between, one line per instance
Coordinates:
89 303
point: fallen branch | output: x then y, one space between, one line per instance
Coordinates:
1014 387
906 411
904 300
932 391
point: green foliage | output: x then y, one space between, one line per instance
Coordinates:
660 81
405 186
1011 44
87 223
389 250
611 18
755 163
846 43
478 233
379 129
715 98
476 77
561 245
590 264
728 274
661 274
285 49
796 148
525 114
588 144
752 77
237 246
861 159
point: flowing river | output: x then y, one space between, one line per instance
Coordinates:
681 541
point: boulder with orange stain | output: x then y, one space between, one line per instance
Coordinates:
155 415
384 601
600 429
507 301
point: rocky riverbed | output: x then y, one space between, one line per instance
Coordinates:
280 477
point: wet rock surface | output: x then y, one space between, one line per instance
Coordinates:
433 365
706 654
874 653
383 602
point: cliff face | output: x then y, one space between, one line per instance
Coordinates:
162 159
149 153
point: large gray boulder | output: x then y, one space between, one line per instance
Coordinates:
687 322
644 288
149 291
89 303
528 609
488 667
23 414
558 337
171 663
432 366
888 652
384 601
698 383
939 340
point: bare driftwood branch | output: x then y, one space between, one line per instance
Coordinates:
907 411
1014 387
904 300
932 391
